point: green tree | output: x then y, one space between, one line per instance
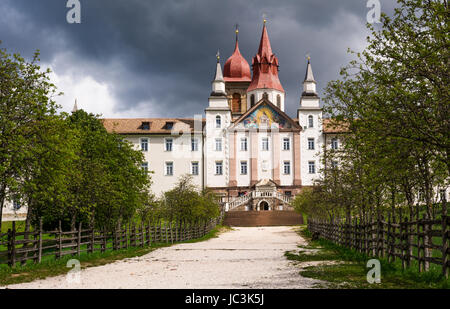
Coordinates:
26 102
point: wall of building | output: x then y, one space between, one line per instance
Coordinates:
181 155
306 154
272 96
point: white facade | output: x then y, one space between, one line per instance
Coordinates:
181 156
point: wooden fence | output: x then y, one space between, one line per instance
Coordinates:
419 238
23 246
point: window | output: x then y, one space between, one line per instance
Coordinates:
287 168
144 166
311 143
442 195
278 101
244 144
265 144
288 193
236 103
310 121
265 95
144 144
243 167
334 144
334 164
169 168
312 167
169 143
16 204
194 144
252 100
219 166
286 143
218 144
145 126
218 122
168 125
194 168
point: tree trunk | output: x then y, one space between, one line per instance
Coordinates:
2 203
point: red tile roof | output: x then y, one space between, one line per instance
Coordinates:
157 125
236 68
265 66
333 126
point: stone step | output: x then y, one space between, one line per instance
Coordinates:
262 218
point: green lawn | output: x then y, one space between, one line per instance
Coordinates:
350 271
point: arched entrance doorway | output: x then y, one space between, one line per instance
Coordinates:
263 205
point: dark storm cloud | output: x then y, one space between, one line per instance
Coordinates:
164 51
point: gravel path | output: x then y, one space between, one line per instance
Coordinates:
242 258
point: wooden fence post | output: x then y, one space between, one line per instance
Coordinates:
12 245
142 235
92 244
171 232
149 236
419 242
79 240
166 232
59 240
426 242
40 241
445 232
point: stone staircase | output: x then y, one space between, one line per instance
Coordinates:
262 218
243 200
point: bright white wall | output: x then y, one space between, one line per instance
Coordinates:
211 155
307 155
272 97
181 156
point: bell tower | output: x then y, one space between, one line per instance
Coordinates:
265 81
237 79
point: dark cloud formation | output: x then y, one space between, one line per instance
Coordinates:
159 56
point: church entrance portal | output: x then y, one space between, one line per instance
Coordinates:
264 205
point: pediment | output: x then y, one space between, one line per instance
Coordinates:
265 115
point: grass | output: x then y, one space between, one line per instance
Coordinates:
53 267
349 271
20 226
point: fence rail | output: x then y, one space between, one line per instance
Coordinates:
419 238
24 246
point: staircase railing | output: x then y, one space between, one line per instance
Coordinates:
240 200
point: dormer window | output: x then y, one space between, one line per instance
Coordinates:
145 126
169 125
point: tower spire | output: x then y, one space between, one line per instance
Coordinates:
218 84
309 76
75 107
309 84
265 66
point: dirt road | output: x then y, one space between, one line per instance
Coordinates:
241 258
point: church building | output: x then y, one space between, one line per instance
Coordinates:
247 149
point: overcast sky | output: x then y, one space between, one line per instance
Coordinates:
148 58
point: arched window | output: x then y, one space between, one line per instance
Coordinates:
310 121
236 103
279 101
218 121
252 100
265 95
